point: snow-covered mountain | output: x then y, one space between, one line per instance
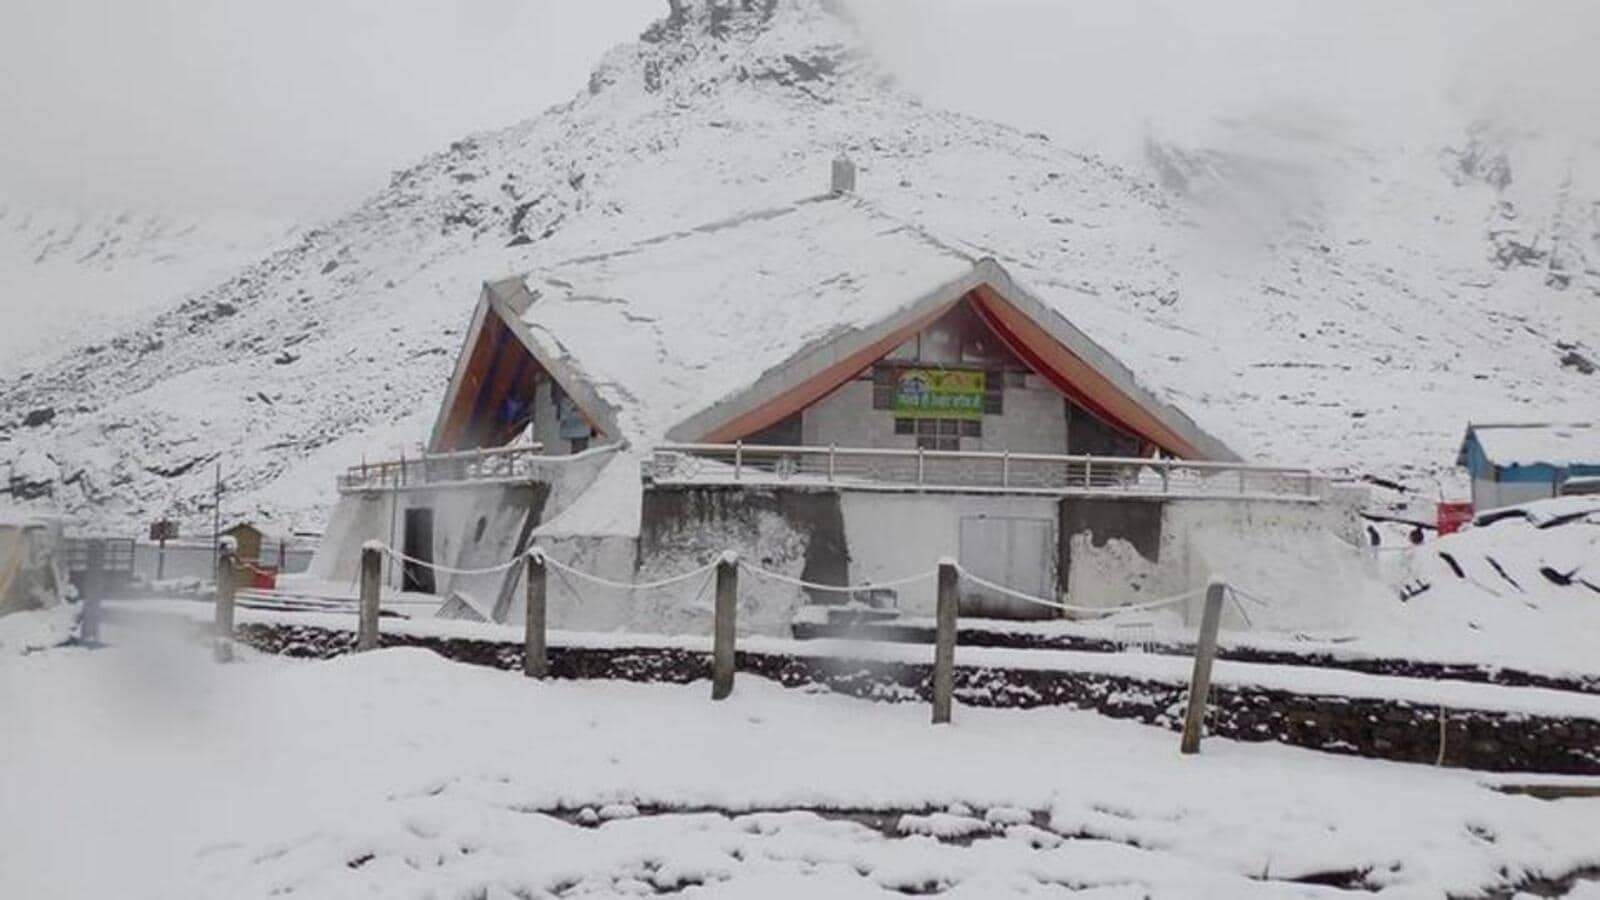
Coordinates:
70 278
1353 320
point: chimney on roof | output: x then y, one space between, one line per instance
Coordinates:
844 176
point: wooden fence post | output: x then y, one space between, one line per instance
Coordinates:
371 581
533 647
724 628
227 584
944 641
1205 652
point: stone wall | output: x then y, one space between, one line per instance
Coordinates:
1385 729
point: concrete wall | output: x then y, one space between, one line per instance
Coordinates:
1296 555
894 534
1101 552
508 512
1104 552
575 604
1489 494
816 535
457 541
796 533
1109 550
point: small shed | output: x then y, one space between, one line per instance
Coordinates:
247 538
1517 462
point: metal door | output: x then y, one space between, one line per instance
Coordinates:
1013 551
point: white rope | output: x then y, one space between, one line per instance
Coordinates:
705 588
838 588
489 570
1234 596
630 585
1253 598
1101 610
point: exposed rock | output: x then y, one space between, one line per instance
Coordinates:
36 417
1577 361
173 471
33 475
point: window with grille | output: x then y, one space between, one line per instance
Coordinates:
942 434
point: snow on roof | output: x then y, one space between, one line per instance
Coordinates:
1537 443
664 327
610 506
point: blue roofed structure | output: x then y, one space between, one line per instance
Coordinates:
1517 462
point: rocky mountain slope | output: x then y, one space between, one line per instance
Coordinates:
72 278
1355 336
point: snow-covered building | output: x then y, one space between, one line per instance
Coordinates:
841 396
1513 463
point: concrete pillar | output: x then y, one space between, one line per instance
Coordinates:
1200 681
534 664
371 581
944 641
227 585
725 627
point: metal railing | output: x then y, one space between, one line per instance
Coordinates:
519 463
979 471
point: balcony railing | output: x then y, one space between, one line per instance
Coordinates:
991 472
524 462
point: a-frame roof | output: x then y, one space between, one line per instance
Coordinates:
701 334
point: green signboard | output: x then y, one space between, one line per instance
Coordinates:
938 394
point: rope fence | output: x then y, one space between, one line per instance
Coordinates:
723 573
863 587
1238 596
624 585
837 588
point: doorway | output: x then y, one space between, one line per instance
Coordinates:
418 544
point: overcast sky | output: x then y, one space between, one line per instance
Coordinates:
1101 75
293 107
301 107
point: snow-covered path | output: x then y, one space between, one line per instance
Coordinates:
145 770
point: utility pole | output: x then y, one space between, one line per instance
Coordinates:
216 516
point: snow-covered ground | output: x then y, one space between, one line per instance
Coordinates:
145 770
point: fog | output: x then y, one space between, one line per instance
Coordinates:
1102 76
289 107
300 107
